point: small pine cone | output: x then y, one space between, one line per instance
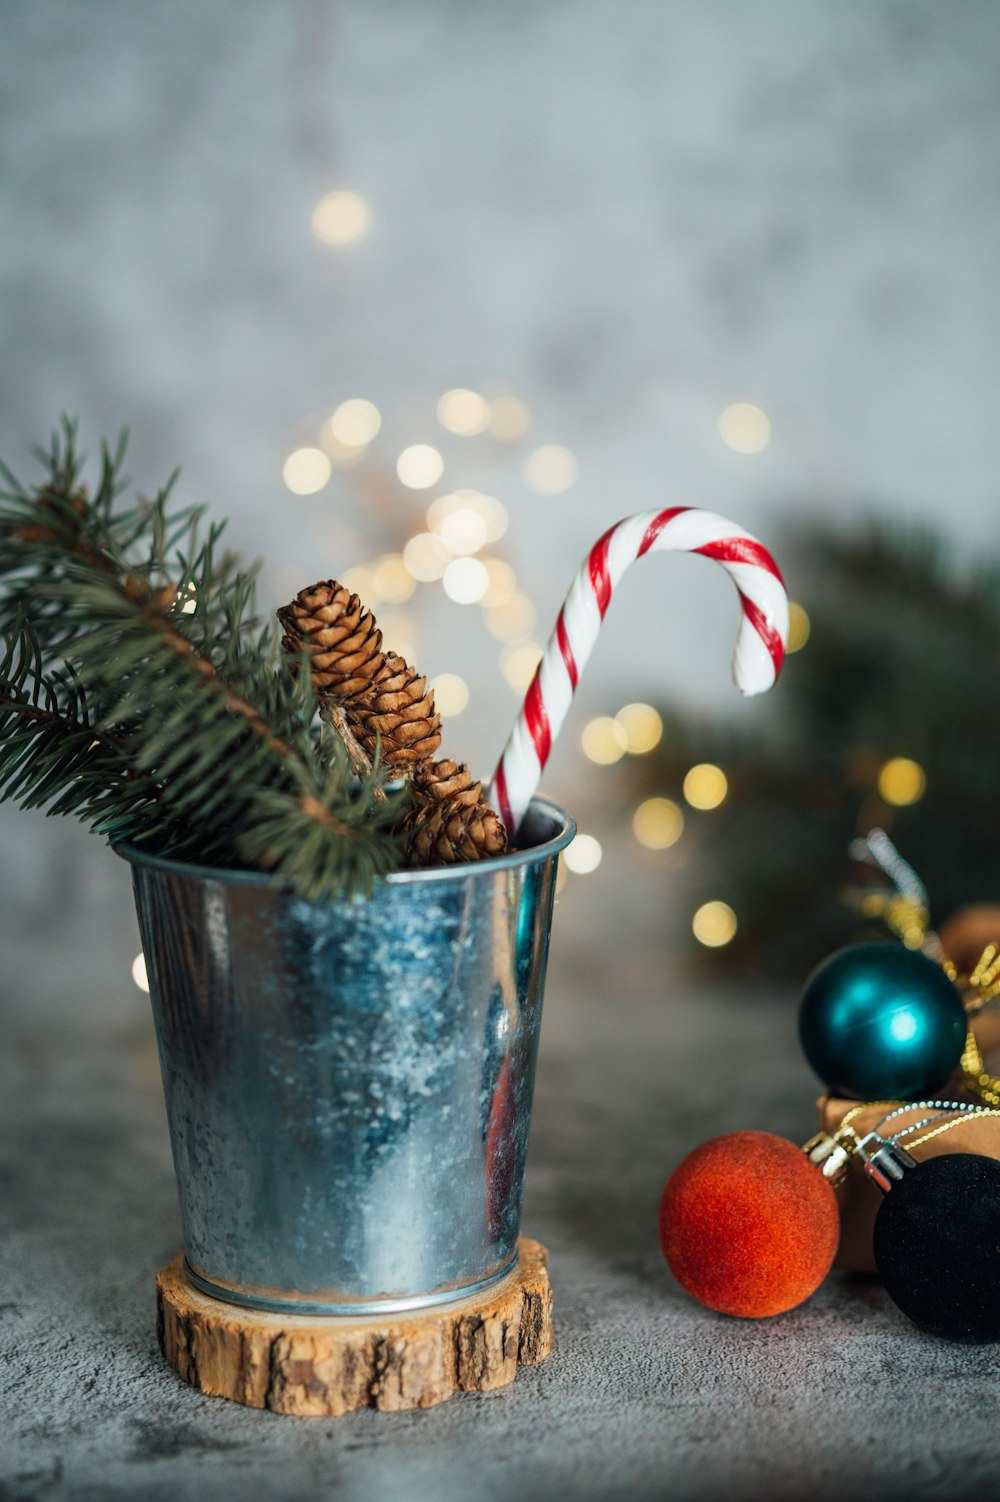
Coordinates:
445 782
343 641
448 833
395 716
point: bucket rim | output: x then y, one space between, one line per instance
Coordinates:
528 856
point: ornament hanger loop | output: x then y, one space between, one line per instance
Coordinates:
885 1157
876 849
905 907
936 1107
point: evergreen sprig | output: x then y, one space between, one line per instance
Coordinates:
140 691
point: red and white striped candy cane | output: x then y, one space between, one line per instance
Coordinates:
760 645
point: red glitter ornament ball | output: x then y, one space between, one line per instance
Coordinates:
748 1225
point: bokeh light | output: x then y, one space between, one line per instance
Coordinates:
603 740
514 618
451 694
491 512
705 786
426 557
799 627
583 854
901 781
339 218
393 580
361 581
643 728
465 581
419 466
550 469
341 455
714 924
306 470
462 530
509 418
502 586
398 633
658 823
518 663
464 412
745 428
139 972
355 422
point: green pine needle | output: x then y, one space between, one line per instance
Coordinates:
140 691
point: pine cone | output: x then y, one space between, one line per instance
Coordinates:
450 819
445 782
395 715
343 641
447 833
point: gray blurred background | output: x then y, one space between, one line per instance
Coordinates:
627 216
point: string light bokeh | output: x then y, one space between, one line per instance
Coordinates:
447 533
331 301
444 537
901 781
440 529
340 217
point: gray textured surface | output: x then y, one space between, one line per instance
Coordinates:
645 1396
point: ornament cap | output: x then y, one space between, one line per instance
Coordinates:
831 1155
885 1161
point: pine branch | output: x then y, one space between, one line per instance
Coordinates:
46 735
193 739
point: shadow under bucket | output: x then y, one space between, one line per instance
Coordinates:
349 1084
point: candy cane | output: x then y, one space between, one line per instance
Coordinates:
757 659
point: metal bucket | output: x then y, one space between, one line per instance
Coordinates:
348 1084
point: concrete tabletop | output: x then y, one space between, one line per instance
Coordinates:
646 1395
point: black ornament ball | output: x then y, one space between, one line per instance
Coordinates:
882 1022
937 1240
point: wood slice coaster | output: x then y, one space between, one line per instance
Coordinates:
302 1365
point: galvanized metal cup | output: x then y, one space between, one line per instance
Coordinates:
349 1084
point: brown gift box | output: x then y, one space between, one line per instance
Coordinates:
858 1197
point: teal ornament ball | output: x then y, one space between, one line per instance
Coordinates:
882 1022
